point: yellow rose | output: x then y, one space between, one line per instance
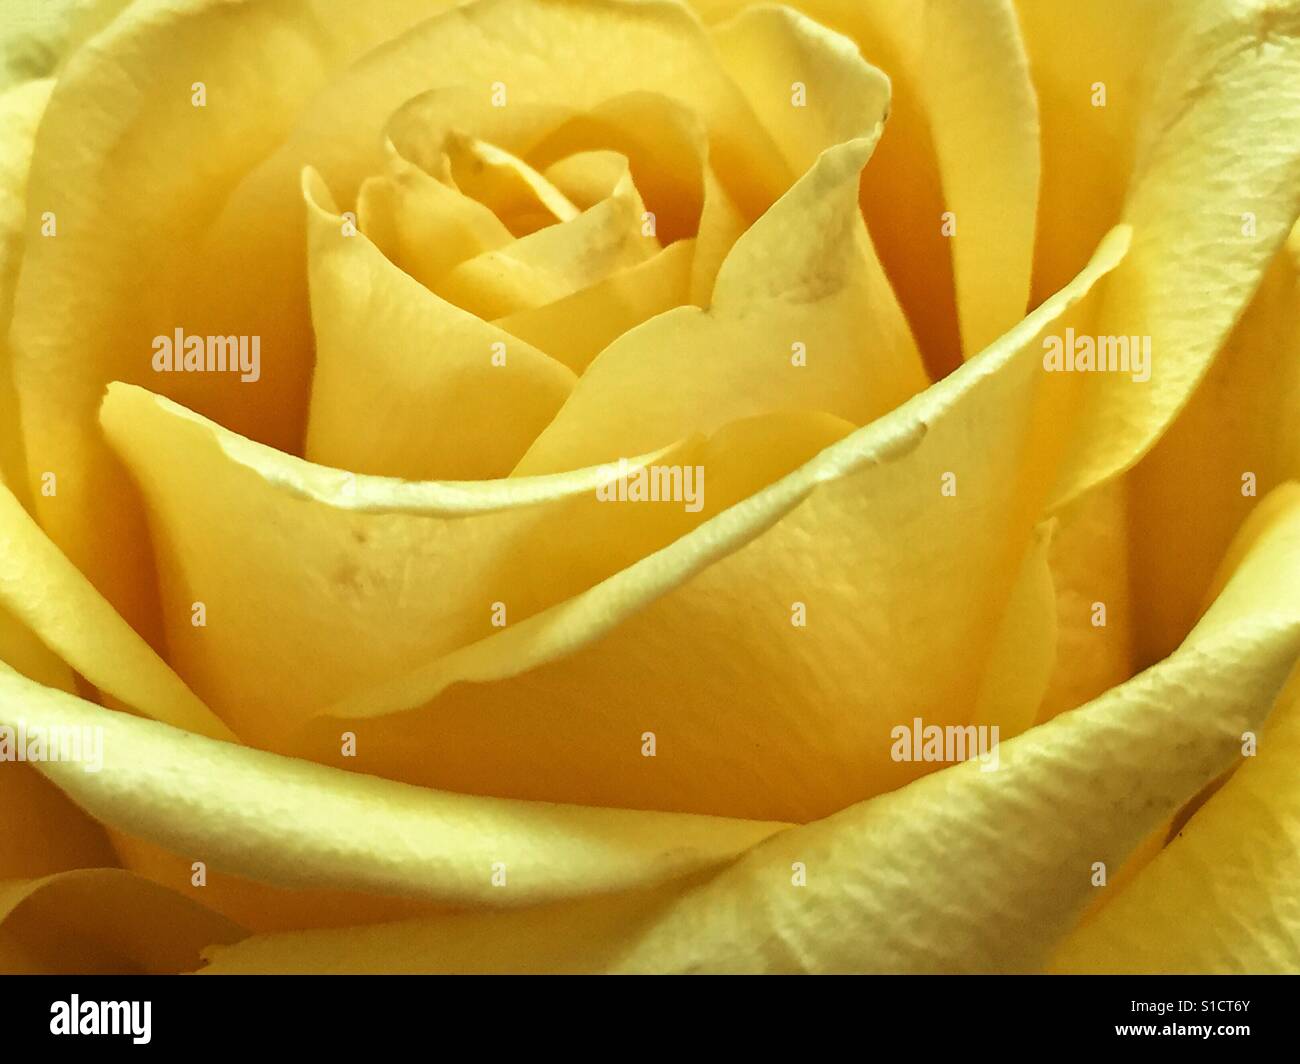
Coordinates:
555 485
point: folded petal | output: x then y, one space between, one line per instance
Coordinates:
291 823
1024 651
512 190
124 267
1220 139
250 903
1092 67
406 384
1236 440
423 224
20 112
44 591
557 260
320 583
801 318
818 607
575 329
1224 895
1090 573
962 138
964 870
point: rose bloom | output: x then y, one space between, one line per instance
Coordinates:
629 485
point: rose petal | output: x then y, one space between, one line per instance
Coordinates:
372 577
295 824
20 112
1222 896
423 224
46 593
587 177
574 330
406 384
1221 138
893 574
962 137
1190 494
555 261
1111 47
1023 654
1089 563
803 275
255 905
511 189
40 36
963 870
102 921
125 267
41 831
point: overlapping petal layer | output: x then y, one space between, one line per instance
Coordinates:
43 591
1237 439
945 561
125 268
964 870
21 108
102 921
337 580
292 823
407 384
890 569
963 138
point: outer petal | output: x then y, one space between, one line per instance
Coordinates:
125 267
41 832
40 35
961 871
296 824
1224 895
44 591
1221 138
256 905
20 112
1221 898
1237 439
